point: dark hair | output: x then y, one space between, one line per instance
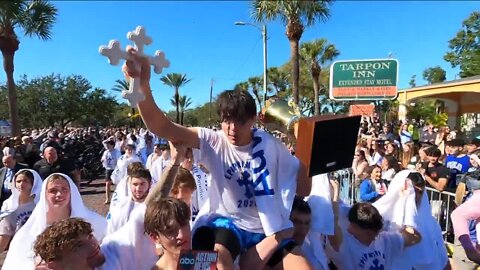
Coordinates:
141 173
301 206
236 105
112 143
184 179
392 163
417 179
133 167
165 214
456 143
26 173
365 216
433 151
369 169
131 145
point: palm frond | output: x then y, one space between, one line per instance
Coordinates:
121 85
37 18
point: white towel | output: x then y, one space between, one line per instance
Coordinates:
398 208
20 254
129 247
321 205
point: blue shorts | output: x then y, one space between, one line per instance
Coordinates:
246 239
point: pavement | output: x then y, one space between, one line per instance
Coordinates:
93 195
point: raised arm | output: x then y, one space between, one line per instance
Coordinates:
164 186
337 237
153 117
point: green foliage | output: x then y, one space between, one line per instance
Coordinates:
58 100
465 47
427 109
412 81
175 81
278 80
35 18
202 116
434 75
316 54
296 15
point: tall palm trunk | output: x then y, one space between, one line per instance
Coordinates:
315 70
295 69
177 106
12 93
294 33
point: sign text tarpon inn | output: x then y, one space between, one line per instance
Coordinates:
364 79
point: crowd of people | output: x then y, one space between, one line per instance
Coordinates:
237 191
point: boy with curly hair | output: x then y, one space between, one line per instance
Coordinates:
69 244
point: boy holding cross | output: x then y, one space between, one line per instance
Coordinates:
252 189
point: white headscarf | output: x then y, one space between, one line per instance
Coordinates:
11 204
20 254
398 208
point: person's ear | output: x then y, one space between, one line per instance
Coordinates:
154 237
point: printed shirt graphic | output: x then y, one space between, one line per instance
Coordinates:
457 165
378 256
13 222
200 196
237 173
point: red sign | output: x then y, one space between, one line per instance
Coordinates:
362 109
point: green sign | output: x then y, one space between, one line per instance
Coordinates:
374 79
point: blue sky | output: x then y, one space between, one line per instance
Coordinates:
201 40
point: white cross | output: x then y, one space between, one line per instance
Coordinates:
114 53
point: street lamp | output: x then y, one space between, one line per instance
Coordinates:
264 36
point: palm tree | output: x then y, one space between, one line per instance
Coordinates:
184 103
278 79
243 86
316 54
176 80
296 15
34 18
120 86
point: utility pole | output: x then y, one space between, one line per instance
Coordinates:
210 109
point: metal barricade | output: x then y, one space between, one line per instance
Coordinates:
348 189
442 204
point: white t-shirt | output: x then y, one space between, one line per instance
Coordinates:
13 222
110 158
120 171
119 216
157 169
230 167
200 196
354 255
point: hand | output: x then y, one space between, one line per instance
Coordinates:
139 67
285 234
177 153
335 190
381 191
